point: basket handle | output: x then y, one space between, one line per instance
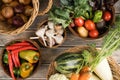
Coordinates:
50 3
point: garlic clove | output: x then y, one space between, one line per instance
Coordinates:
51 24
58 39
40 33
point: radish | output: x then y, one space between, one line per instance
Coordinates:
103 70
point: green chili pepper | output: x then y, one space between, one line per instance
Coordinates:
29 55
26 69
16 71
5 57
98 16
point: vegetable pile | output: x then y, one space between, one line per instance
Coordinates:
87 18
21 58
51 34
82 65
15 12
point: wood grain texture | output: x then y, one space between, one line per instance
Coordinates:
49 54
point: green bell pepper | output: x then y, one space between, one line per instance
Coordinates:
98 16
5 57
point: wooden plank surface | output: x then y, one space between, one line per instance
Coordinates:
49 54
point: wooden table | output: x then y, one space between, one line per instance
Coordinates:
49 54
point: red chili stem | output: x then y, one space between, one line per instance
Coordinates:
11 66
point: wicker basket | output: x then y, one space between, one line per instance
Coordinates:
7 29
113 65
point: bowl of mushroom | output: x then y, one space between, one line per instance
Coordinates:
50 35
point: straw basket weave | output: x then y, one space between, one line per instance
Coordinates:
113 65
7 29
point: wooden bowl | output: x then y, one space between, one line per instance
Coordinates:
44 22
102 32
113 65
6 67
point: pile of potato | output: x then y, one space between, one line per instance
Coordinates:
15 12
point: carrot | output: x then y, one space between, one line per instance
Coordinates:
74 76
11 65
85 73
85 76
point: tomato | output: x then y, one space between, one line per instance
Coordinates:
93 33
107 16
79 21
90 25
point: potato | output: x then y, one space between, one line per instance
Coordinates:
82 31
7 12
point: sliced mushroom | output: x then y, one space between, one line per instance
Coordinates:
41 32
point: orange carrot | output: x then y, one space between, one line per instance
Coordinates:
74 76
85 73
85 76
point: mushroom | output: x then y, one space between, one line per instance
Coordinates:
41 32
58 39
50 34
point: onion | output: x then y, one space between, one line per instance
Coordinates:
7 1
17 21
7 12
25 19
25 2
28 10
13 4
19 8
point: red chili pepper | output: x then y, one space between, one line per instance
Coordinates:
11 66
17 62
17 59
24 48
14 60
18 45
21 44
12 47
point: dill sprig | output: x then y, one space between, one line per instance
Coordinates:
111 42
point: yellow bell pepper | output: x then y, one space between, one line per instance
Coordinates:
26 69
30 55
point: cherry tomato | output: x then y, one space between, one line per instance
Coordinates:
79 21
107 16
93 33
90 25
